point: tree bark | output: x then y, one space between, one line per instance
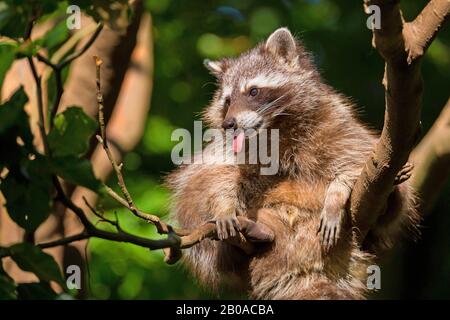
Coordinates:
401 45
431 160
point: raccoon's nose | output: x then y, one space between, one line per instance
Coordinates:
229 124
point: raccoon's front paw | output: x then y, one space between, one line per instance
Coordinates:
404 173
330 226
227 227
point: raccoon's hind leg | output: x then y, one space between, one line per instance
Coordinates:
334 210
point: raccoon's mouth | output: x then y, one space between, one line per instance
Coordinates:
240 136
238 141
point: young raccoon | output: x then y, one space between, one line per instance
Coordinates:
322 150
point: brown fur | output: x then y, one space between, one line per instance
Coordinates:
323 148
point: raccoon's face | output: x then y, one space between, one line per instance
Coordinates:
258 86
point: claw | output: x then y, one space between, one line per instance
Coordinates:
404 173
219 229
333 238
230 228
320 226
227 227
335 235
328 239
329 229
236 223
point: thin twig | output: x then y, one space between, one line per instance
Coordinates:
37 80
162 227
64 241
103 140
120 236
102 217
40 105
86 46
58 67
59 93
57 57
43 59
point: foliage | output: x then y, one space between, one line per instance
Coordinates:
31 258
27 174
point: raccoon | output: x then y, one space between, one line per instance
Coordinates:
322 150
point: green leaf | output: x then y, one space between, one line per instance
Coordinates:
12 115
36 291
15 14
64 296
14 124
76 171
14 18
71 132
55 36
28 48
27 204
7 52
27 185
27 190
33 259
7 286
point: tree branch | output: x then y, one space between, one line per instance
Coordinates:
120 236
403 99
64 241
420 33
58 67
38 83
86 46
251 232
40 105
162 227
432 162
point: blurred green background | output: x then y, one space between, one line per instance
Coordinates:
185 33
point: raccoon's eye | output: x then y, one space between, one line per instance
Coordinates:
227 102
253 92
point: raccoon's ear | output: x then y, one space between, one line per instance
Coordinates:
217 68
282 43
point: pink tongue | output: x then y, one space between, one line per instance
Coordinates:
238 142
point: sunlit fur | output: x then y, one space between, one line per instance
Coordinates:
322 143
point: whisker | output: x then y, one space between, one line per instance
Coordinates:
281 114
268 106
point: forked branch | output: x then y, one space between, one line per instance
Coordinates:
401 45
